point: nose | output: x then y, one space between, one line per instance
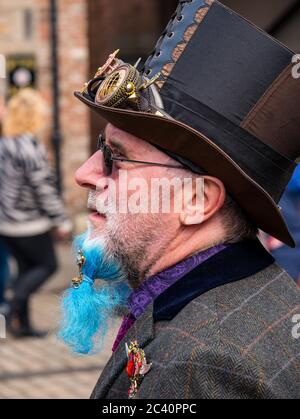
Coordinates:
88 175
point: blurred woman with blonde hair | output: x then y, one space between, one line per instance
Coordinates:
30 208
25 113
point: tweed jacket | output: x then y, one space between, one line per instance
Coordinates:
233 341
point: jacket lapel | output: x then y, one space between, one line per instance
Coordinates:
143 332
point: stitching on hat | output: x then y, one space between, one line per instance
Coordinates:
180 47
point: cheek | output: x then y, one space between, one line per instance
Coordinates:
118 224
124 229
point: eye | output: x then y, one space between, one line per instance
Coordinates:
118 154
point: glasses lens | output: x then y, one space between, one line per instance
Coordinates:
100 143
108 163
107 155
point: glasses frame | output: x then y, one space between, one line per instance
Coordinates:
109 158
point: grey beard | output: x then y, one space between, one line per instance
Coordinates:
132 256
131 264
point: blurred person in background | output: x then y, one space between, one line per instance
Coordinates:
288 258
4 270
30 208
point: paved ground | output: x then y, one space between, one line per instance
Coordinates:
44 368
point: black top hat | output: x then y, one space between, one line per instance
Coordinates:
219 92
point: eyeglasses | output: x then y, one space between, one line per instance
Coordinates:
109 158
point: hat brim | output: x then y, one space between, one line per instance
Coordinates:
192 145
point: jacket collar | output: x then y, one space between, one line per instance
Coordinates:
236 262
157 284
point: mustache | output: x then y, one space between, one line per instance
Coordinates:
101 203
92 200
95 203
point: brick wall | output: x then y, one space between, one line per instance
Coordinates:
73 68
74 62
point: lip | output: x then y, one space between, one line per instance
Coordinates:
96 217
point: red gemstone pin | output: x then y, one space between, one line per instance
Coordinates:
137 367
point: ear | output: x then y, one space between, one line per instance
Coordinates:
205 201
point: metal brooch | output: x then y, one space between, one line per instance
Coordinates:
77 281
137 367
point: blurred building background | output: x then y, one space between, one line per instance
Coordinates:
81 33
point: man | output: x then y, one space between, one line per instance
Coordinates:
210 313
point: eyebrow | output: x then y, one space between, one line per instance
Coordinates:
116 145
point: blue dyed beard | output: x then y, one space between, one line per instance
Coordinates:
87 311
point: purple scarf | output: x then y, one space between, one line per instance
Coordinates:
154 286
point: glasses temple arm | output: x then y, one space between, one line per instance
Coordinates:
148 163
